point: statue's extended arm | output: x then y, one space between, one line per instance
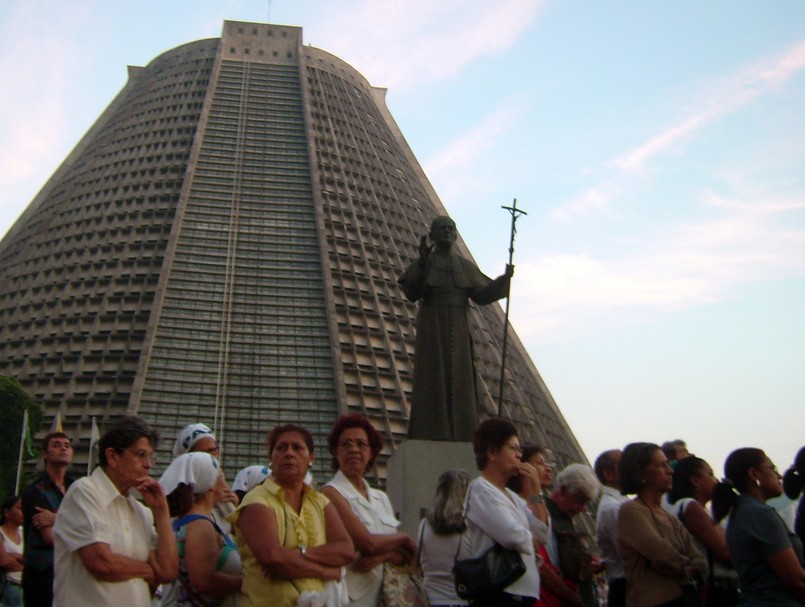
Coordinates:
495 289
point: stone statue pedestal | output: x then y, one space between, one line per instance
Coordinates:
413 472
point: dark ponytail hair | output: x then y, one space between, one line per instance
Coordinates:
794 477
684 470
736 472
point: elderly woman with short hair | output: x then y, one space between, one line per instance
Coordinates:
495 514
570 547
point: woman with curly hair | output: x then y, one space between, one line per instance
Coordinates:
366 512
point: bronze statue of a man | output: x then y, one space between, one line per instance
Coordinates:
444 403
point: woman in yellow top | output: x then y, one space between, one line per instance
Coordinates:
290 537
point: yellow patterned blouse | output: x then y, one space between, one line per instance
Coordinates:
306 528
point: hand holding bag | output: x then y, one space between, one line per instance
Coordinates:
402 586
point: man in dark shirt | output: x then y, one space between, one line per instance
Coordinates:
40 500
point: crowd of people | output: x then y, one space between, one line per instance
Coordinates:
647 525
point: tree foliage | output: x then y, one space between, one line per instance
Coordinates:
14 400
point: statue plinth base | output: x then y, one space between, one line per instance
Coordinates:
413 472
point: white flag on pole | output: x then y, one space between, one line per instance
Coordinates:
94 435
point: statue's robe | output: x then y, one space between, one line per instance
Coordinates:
444 403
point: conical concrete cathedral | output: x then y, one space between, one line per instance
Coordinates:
223 247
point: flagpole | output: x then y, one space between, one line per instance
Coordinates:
93 439
22 447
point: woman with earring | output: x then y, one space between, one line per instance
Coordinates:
661 563
366 512
767 556
290 538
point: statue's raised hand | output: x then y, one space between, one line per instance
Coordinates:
424 248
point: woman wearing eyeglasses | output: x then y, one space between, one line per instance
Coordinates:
366 512
767 556
195 438
109 547
495 514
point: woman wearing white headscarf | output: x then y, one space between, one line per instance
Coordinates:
209 564
198 438
248 478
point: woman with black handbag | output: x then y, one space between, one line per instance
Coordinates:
499 522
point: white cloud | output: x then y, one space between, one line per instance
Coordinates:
750 241
724 98
595 199
454 169
406 42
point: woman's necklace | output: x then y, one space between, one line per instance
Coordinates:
680 547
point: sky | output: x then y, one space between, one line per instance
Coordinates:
658 149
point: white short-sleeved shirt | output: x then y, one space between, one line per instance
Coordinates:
378 517
94 511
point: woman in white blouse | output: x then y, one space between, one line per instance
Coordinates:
495 514
366 512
